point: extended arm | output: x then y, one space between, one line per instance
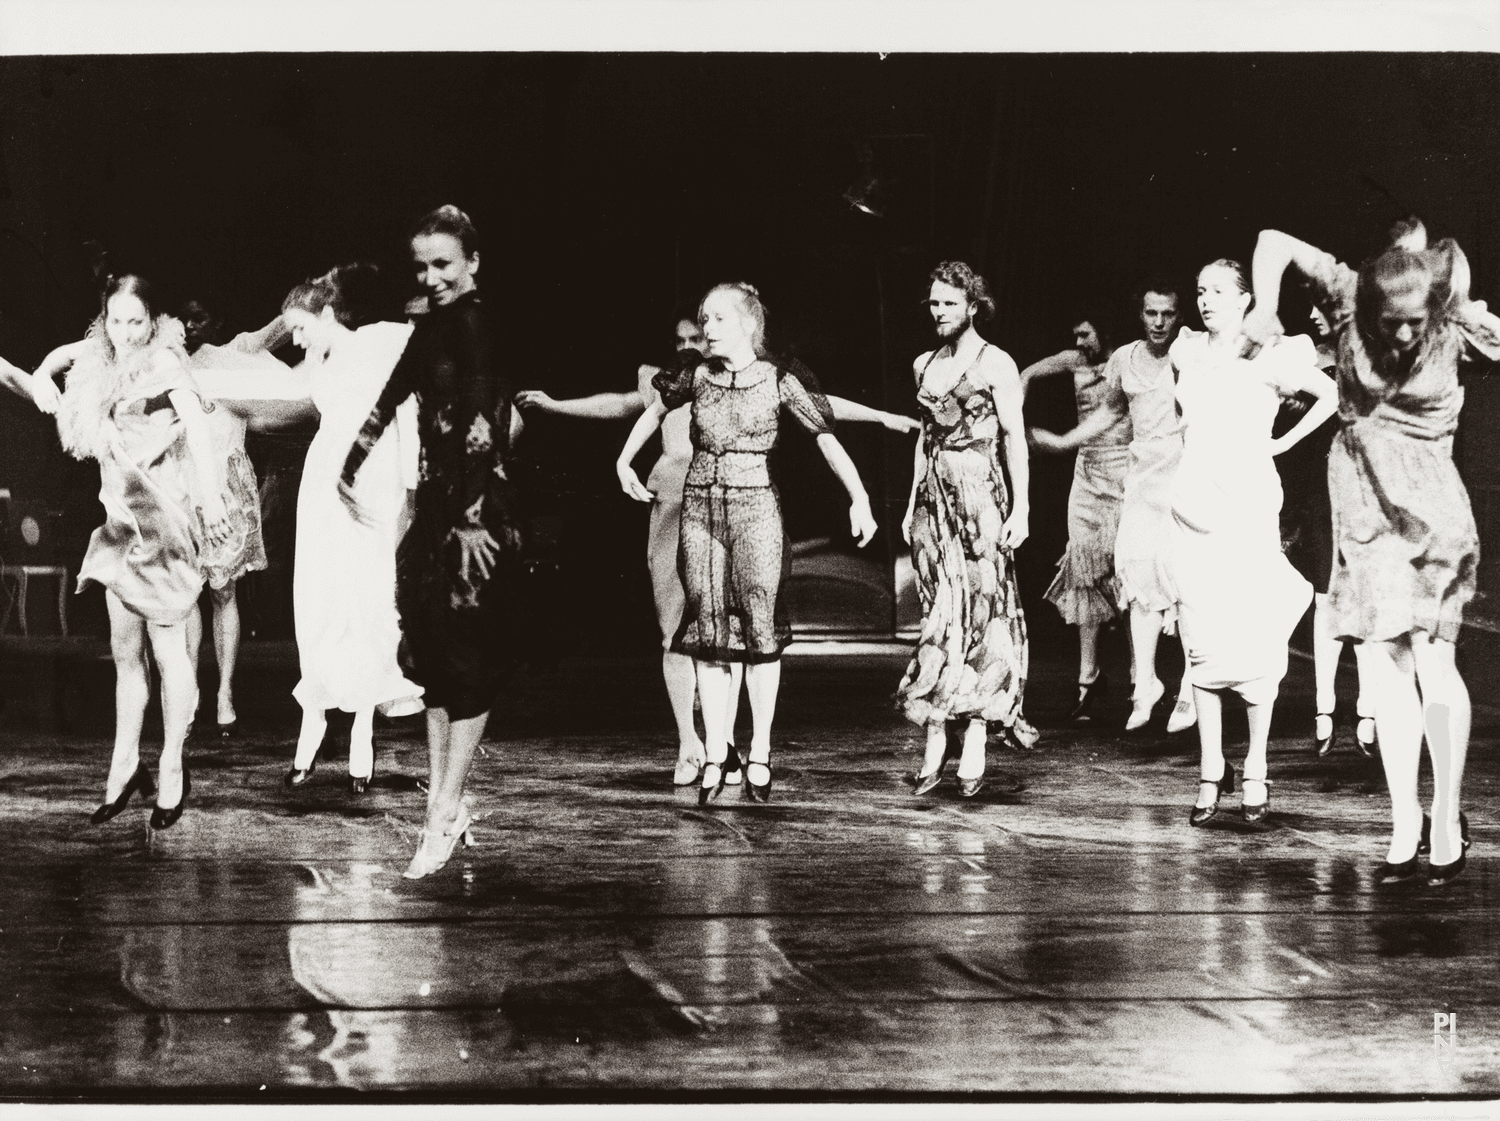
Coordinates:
43 388
274 334
1064 362
1274 251
1005 385
853 411
861 520
1325 394
643 430
599 406
1095 424
916 481
15 379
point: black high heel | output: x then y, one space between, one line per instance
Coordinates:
140 780
1424 842
1093 693
968 787
358 784
1367 749
1440 874
759 792
731 764
1202 815
1322 745
166 818
299 775
229 731
1255 815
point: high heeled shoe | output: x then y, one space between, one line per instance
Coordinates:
758 791
1367 747
165 818
1143 707
1184 715
688 772
1322 745
1440 874
140 780
709 792
1202 815
229 731
968 787
1424 842
358 784
1257 814
435 849
299 775
922 783
1092 693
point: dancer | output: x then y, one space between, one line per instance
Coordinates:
454 563
1239 596
1406 547
249 352
132 405
733 548
963 526
1307 528
666 482
1085 591
344 577
19 382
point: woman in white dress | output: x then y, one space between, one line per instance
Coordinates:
344 579
1239 597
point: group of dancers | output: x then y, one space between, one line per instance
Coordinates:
408 533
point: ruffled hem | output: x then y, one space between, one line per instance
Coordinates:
1085 589
1147 582
923 712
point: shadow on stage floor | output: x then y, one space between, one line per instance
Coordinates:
1064 933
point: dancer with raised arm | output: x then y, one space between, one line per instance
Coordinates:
1239 597
456 563
733 546
1086 591
666 481
1406 546
131 404
963 525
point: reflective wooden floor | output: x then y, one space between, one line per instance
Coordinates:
1063 933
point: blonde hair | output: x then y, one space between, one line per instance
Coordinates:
750 305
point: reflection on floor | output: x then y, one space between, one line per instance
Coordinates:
1064 932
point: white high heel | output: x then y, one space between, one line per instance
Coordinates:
1184 716
1142 708
435 849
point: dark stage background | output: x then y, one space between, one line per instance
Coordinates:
613 189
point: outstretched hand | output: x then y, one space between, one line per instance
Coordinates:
630 483
477 549
534 399
862 521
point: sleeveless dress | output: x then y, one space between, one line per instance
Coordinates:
458 625
344 576
1406 547
971 659
667 479
150 550
1239 596
733 553
1085 589
1143 545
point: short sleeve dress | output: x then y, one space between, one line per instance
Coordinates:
1406 549
1143 545
733 553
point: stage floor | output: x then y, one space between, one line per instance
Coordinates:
1063 933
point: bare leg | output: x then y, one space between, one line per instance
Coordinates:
127 641
682 682
362 744
1258 717
1088 653
1398 714
762 682
1210 708
450 753
226 646
1145 631
1185 712
1447 716
179 700
971 762
310 738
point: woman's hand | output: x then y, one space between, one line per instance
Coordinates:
534 399
476 549
1044 441
44 393
1015 530
215 519
360 515
862 521
911 513
630 483
897 423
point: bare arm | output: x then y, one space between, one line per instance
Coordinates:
1063 362
853 411
1321 388
1093 425
916 481
1005 385
274 334
644 429
15 379
1274 251
599 406
861 520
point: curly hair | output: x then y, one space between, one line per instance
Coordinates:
957 274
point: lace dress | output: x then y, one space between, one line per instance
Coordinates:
971 659
1143 543
150 550
1085 589
1406 550
733 552
456 622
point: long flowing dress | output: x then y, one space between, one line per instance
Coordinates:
666 481
457 621
971 659
344 576
1406 547
1085 590
733 552
1239 596
1143 545
150 548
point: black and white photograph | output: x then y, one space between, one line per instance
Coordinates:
707 553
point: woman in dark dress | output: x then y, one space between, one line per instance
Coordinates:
452 564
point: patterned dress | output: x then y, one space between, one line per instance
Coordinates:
1406 548
971 659
1085 590
1143 545
455 622
733 554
